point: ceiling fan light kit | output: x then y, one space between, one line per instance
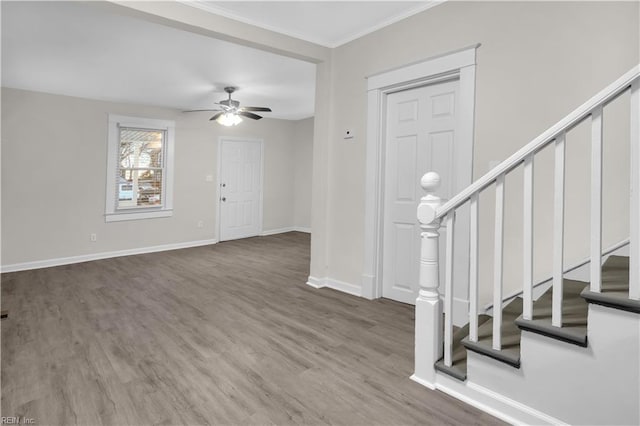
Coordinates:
231 112
229 119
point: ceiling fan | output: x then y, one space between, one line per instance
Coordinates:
230 111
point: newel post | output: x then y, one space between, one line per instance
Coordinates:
428 322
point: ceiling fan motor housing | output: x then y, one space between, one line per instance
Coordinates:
230 103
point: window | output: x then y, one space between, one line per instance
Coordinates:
139 169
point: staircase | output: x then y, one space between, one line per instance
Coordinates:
572 353
576 297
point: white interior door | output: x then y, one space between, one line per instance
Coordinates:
240 188
420 137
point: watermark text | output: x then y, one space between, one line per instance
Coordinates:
12 420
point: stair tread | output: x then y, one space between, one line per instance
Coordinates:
510 336
613 299
616 262
574 315
615 286
576 334
457 371
574 307
615 274
458 368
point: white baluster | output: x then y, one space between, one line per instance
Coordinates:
527 240
428 322
634 249
596 200
558 231
497 264
448 293
473 269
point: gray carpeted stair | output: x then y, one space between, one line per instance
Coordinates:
458 367
576 296
615 286
574 315
510 352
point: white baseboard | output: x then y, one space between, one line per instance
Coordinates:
369 287
342 286
283 230
491 402
423 382
316 282
104 255
345 287
276 231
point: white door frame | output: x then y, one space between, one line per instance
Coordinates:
219 177
459 64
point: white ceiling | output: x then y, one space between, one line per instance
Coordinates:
328 23
77 49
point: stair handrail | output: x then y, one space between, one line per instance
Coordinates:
564 125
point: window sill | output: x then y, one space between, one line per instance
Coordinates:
121 216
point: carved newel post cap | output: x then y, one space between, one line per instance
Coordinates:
430 182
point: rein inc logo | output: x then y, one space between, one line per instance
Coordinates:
17 421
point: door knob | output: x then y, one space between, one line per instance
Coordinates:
224 199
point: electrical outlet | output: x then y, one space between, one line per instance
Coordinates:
93 238
200 224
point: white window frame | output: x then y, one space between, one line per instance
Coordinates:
112 214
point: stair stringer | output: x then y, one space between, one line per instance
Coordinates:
599 384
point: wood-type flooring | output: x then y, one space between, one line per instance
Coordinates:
227 334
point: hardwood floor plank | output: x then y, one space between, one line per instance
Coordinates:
225 334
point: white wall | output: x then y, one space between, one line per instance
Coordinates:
303 162
54 177
538 61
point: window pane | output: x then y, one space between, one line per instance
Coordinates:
140 148
139 188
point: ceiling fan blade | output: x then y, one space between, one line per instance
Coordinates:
215 117
265 109
199 110
249 115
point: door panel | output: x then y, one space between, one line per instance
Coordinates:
240 189
405 156
404 239
440 153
